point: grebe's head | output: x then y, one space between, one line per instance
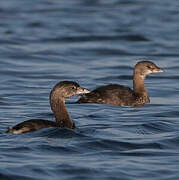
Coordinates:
144 68
66 89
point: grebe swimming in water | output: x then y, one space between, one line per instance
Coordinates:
119 95
58 94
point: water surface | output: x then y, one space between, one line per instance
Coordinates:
93 42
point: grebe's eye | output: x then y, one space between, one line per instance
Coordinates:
150 67
73 88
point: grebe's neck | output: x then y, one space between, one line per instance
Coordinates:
138 84
60 112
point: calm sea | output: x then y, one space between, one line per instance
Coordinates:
92 42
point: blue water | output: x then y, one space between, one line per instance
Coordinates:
93 42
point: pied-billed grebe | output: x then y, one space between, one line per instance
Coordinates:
123 96
61 90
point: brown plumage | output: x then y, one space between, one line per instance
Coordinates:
59 93
119 95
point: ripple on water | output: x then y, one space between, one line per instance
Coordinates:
94 43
